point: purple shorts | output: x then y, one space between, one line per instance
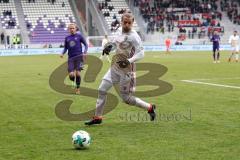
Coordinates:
75 63
215 48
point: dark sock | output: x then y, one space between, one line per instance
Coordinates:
72 78
214 56
78 81
218 56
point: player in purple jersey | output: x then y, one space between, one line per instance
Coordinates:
76 55
215 39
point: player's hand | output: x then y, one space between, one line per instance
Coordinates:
123 63
61 55
110 46
107 49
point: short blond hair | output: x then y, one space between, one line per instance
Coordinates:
128 14
72 24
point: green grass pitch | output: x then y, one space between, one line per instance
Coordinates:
196 121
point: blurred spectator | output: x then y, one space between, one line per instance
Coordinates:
110 8
29 25
105 4
2 38
178 43
7 13
115 25
8 39
114 16
11 23
106 14
121 11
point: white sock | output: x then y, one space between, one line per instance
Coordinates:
102 96
236 56
231 56
142 104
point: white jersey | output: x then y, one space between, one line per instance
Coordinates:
234 40
128 46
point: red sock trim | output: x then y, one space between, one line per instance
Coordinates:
97 117
150 108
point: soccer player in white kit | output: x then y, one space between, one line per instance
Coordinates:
234 41
129 49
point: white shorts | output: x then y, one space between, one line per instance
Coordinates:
235 49
127 82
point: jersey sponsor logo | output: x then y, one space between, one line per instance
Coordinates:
72 43
125 44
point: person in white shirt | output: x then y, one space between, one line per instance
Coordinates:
129 50
234 41
104 42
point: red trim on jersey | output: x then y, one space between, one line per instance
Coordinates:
132 69
132 52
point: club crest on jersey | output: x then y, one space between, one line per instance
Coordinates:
126 43
72 43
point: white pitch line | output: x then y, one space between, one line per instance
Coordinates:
211 84
215 79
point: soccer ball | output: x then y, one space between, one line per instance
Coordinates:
81 139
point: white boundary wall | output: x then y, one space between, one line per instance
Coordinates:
28 51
